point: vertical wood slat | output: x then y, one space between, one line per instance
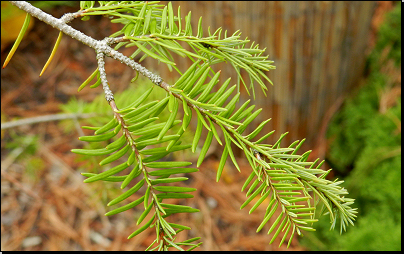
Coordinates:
318 49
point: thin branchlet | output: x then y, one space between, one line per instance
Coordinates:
134 148
109 96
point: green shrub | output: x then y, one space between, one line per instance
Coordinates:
366 144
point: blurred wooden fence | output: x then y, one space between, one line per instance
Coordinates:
318 49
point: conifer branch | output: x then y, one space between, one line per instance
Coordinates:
278 174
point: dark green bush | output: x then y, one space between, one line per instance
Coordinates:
366 143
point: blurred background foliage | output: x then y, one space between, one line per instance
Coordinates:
365 148
12 18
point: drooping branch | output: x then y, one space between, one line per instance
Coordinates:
276 170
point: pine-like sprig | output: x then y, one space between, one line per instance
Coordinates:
278 174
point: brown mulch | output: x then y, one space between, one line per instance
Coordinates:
44 203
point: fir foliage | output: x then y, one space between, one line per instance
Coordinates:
143 132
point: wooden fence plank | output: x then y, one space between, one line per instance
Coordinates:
318 49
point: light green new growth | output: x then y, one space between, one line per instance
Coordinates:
287 180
